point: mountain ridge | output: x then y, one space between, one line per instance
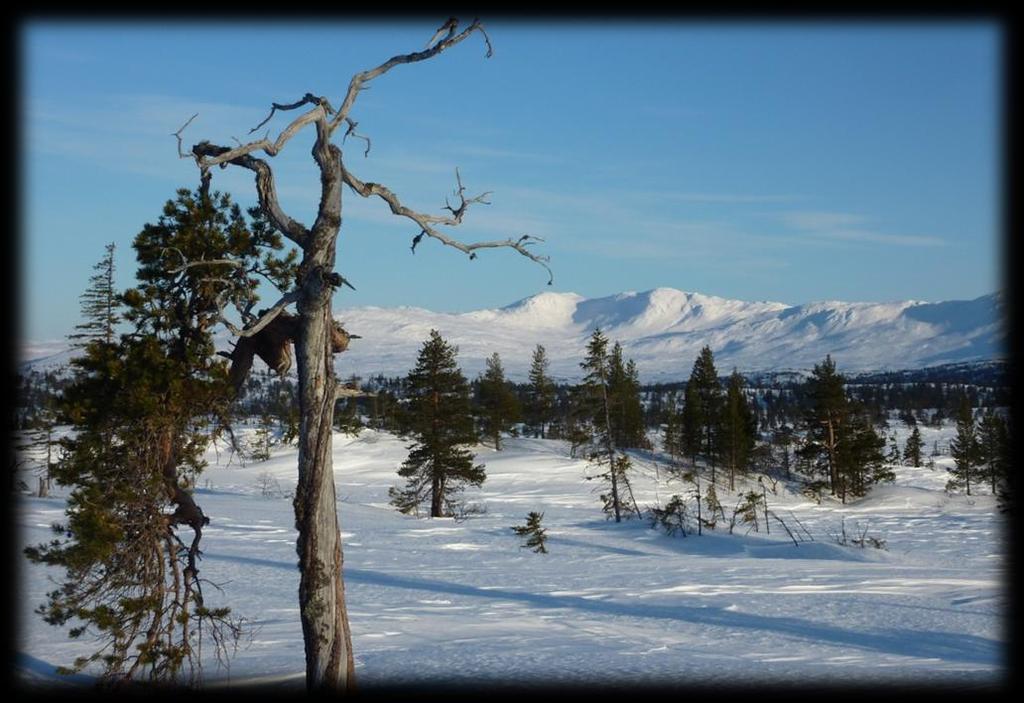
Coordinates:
663 330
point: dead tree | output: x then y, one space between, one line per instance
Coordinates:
325 628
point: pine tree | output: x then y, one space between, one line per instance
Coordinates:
748 511
672 438
439 466
140 406
708 394
98 304
737 429
536 537
631 411
673 517
499 405
893 456
713 506
824 421
691 422
912 449
541 405
595 408
964 449
861 461
993 445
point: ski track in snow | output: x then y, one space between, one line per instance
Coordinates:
461 602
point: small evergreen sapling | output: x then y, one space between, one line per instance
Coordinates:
672 518
535 534
912 449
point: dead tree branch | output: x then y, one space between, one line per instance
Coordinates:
352 130
426 222
359 81
265 187
306 99
177 135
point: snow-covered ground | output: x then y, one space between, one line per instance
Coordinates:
460 602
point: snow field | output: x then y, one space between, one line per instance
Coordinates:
440 600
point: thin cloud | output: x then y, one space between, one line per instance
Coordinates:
820 220
487 152
728 198
847 227
858 235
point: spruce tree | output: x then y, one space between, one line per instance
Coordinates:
737 429
893 455
672 439
535 534
673 517
713 506
993 445
541 404
824 421
498 403
861 460
631 410
98 304
141 405
691 422
707 391
438 466
964 449
594 400
912 448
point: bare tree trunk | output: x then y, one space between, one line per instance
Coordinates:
325 630
437 495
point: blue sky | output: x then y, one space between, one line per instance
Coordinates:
759 161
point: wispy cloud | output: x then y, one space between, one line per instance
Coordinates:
487 152
851 227
727 198
820 220
131 133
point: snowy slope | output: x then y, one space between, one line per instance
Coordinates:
459 602
664 329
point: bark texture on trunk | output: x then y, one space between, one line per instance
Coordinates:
321 591
325 630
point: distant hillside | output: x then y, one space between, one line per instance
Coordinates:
664 329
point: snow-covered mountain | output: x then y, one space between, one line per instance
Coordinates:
664 329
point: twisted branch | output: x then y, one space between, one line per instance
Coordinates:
177 135
426 222
359 81
352 130
308 98
265 186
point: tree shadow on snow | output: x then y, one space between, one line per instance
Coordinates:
945 646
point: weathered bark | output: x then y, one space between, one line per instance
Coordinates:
325 630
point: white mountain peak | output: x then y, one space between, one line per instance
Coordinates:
664 329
